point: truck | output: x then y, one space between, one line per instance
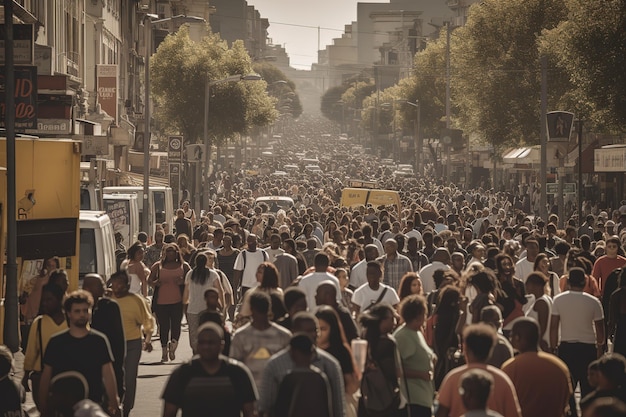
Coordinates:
47 199
97 245
161 205
123 210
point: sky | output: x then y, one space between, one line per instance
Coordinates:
294 23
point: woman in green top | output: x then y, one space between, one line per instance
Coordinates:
417 357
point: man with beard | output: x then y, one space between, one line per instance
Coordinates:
83 350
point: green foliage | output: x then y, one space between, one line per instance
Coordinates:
331 102
358 91
379 110
179 72
427 85
591 48
281 88
495 69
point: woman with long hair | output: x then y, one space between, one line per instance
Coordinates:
333 340
197 281
268 278
137 271
168 278
410 284
186 248
449 318
331 226
513 294
542 264
417 357
378 322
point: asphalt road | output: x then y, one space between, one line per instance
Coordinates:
150 383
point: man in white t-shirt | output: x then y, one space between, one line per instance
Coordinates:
526 265
580 319
374 291
441 262
310 282
246 264
274 250
358 275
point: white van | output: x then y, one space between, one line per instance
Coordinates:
161 205
123 210
97 244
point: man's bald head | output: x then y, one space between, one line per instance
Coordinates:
94 284
371 252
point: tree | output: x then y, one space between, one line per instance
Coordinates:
427 85
281 88
332 106
179 72
591 48
495 69
359 91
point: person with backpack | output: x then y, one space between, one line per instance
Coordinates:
246 265
232 390
380 387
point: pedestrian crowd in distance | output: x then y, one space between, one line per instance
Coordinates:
458 302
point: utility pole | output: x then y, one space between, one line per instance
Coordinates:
544 139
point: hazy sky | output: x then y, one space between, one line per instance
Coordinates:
287 18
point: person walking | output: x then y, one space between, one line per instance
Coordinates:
168 278
210 385
106 317
542 381
577 331
417 358
246 264
135 316
51 321
137 271
197 281
83 350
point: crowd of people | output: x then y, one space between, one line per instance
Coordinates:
460 303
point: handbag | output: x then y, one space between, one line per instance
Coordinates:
379 397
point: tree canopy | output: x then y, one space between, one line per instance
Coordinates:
590 47
179 72
281 88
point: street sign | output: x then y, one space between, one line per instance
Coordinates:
568 188
175 148
559 125
174 174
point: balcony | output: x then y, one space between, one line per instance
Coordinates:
68 63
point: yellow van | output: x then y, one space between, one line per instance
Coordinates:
351 197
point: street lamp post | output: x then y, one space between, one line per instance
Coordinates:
148 22
418 138
207 141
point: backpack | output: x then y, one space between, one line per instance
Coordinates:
304 392
243 254
379 397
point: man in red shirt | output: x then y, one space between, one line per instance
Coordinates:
608 263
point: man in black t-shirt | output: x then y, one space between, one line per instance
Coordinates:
83 350
210 384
